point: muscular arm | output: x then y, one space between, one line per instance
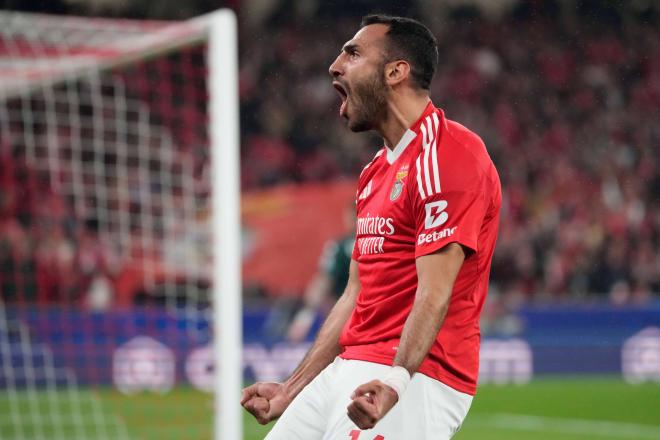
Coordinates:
326 346
268 400
436 274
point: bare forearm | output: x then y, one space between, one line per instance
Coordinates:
268 400
420 330
436 274
326 346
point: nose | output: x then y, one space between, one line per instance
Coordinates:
335 68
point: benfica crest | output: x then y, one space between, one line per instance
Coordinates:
397 188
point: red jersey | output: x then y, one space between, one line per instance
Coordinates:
437 186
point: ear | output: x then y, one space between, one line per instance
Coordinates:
396 72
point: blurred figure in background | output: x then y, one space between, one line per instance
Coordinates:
98 263
329 281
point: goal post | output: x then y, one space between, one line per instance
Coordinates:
120 251
224 120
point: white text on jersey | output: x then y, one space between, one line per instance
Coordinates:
435 236
371 245
375 225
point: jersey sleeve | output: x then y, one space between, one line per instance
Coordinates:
453 214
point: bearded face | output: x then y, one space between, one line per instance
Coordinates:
367 102
359 76
363 100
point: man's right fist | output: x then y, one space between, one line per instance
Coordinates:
266 401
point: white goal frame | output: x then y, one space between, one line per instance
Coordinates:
225 167
219 29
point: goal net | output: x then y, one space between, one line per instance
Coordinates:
117 139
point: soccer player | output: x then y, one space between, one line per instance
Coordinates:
398 355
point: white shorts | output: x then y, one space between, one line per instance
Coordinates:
428 409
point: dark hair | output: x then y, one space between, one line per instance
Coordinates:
409 40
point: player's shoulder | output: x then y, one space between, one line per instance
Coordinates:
457 160
463 148
443 134
462 137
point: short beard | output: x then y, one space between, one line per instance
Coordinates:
371 97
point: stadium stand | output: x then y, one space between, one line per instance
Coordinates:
566 99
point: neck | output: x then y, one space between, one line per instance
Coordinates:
402 110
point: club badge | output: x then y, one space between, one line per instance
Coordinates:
397 188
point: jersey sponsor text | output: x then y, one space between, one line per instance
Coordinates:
375 225
436 235
371 245
435 215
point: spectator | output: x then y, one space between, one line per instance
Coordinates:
565 97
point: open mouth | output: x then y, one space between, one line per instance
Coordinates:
343 94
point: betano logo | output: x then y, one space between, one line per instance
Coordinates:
436 235
435 215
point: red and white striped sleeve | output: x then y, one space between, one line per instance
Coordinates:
449 197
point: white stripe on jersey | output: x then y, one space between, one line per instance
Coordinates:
419 179
425 140
429 183
427 177
429 128
436 172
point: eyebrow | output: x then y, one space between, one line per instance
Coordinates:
349 47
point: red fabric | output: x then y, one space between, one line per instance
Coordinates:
462 205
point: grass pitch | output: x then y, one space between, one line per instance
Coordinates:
550 409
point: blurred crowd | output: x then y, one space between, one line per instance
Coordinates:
45 255
566 99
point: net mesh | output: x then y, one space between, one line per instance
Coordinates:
104 242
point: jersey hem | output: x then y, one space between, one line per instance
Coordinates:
450 381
